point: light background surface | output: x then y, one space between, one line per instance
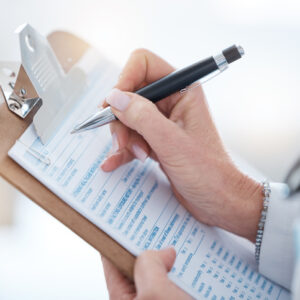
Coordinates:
255 105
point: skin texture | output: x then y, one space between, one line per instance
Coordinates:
180 134
151 284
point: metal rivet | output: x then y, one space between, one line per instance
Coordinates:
14 106
11 84
22 92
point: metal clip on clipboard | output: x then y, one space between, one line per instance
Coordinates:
17 98
76 56
48 83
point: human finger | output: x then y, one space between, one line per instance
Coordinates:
118 285
142 68
151 275
141 115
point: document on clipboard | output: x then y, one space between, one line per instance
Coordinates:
135 204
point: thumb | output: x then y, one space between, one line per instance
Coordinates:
152 267
141 115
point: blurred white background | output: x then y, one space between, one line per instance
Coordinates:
255 105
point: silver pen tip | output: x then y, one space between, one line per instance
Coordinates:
73 131
98 119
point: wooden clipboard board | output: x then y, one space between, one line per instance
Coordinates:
65 45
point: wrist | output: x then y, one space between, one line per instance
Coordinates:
244 202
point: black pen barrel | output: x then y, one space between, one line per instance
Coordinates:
178 80
170 84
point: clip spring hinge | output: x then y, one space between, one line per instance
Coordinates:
18 99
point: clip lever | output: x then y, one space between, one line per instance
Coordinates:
17 97
20 105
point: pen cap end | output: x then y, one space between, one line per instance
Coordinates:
233 53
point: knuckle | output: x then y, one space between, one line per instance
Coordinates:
140 51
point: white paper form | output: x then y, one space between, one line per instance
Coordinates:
135 205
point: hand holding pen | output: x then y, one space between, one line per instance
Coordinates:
180 134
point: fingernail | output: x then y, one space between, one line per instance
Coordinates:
103 163
139 153
102 166
115 144
118 99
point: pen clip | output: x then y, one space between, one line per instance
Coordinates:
200 82
189 88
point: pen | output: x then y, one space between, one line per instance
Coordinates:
177 81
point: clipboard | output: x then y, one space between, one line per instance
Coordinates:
68 49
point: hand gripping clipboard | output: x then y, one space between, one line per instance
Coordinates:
68 50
